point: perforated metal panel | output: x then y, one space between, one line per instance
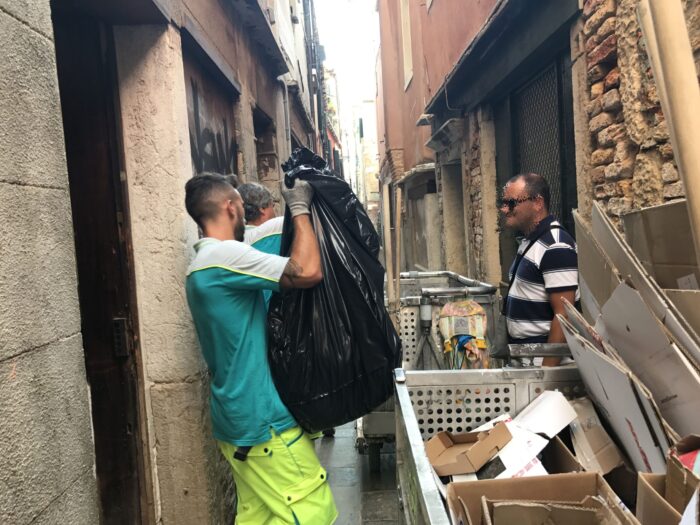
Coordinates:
460 401
460 408
410 338
409 334
430 401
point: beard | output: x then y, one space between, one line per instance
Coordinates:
239 231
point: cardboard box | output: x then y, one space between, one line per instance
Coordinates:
588 512
464 499
662 498
652 506
681 481
619 253
555 458
594 448
452 454
660 237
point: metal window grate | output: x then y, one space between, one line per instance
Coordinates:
537 132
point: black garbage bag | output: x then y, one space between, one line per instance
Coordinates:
333 348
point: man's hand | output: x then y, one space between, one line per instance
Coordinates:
298 198
556 334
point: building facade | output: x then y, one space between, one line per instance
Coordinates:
469 96
106 110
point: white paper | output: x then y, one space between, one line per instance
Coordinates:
692 511
490 424
549 414
518 453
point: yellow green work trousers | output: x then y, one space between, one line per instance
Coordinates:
281 482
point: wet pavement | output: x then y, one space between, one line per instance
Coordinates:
362 497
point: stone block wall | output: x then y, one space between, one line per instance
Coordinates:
46 448
190 486
632 163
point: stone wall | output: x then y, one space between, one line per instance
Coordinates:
46 447
632 163
189 487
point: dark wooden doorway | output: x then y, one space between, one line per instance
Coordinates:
88 92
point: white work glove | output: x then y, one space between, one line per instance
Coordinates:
298 198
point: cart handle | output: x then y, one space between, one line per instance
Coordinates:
539 350
475 287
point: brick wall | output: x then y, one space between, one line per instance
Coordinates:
472 163
632 162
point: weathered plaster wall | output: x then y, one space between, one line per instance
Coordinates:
390 137
46 448
448 29
632 163
414 97
158 163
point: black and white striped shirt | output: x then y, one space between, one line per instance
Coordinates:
550 265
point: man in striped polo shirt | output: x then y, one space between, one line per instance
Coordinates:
545 270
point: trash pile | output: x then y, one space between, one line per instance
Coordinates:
616 456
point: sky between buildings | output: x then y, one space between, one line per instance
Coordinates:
349 32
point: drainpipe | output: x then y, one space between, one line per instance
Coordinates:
664 26
287 125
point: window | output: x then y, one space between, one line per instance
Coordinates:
535 133
406 43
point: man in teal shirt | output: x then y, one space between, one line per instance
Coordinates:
277 474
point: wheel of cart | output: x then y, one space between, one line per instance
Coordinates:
422 296
428 402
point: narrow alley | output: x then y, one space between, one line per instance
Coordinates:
349 261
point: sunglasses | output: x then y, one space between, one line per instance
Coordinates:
512 203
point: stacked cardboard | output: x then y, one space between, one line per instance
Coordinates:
479 472
638 348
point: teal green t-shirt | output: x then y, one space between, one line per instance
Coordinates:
266 238
225 284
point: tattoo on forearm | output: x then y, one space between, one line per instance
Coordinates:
292 270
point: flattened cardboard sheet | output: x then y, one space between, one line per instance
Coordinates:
614 391
597 276
644 347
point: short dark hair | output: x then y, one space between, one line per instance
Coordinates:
201 193
255 196
536 186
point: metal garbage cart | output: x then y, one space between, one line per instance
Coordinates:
428 402
423 294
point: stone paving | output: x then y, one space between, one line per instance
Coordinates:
361 497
